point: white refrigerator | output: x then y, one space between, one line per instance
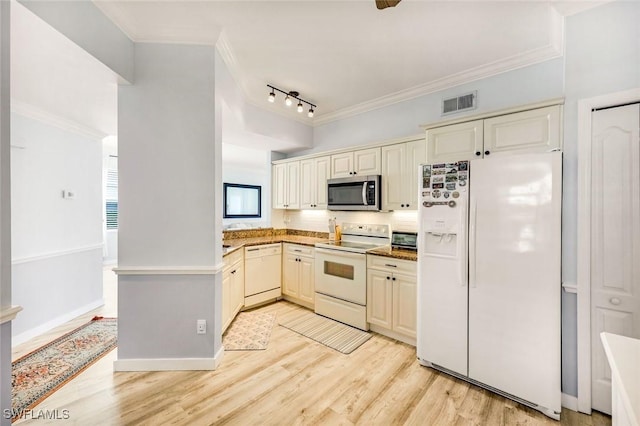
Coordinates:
489 278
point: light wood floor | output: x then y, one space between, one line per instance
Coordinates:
294 381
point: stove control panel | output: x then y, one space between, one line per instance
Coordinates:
443 183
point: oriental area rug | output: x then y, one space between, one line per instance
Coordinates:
249 331
38 374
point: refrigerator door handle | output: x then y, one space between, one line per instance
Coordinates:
472 242
364 194
463 269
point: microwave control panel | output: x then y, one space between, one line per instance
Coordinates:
443 183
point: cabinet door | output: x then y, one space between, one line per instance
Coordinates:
308 184
536 130
379 294
226 299
455 142
323 172
238 287
404 304
416 154
367 162
293 185
393 182
290 279
307 279
279 186
342 165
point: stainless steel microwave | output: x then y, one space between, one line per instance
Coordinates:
354 193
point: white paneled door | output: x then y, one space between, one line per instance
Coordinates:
615 238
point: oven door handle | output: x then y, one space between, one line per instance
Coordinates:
339 253
364 193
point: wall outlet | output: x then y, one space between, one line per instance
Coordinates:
201 326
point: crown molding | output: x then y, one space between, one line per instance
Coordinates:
47 117
484 71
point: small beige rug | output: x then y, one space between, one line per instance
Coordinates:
249 331
333 334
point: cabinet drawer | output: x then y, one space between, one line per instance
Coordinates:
233 258
391 264
297 249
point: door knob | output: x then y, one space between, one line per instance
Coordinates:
615 301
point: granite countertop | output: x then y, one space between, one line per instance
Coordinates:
305 238
238 243
396 253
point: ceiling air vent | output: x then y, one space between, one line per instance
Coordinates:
459 103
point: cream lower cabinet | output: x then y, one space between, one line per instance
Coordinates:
232 287
391 297
298 274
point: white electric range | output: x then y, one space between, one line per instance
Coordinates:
341 273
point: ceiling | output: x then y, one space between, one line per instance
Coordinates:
348 57
54 80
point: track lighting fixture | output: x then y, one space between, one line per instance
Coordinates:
289 97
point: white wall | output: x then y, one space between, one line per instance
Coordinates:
248 166
317 220
169 187
5 211
602 56
518 87
56 241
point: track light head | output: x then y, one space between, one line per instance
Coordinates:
289 97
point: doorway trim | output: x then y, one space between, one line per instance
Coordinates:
585 107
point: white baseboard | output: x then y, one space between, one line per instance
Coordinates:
43 328
167 364
570 402
218 358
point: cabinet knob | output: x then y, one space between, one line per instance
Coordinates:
401 205
388 278
614 301
478 153
487 152
407 205
393 279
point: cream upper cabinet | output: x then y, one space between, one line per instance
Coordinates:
362 162
456 142
286 185
314 173
537 130
400 174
